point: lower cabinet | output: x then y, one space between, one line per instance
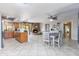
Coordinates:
22 37
8 35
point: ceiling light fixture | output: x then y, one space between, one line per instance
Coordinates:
51 20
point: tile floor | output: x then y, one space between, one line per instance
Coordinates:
36 47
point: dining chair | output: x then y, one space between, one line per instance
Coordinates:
56 38
46 38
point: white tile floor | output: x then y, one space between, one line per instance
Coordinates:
36 47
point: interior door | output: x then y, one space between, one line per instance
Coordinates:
67 30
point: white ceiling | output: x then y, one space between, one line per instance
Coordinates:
33 11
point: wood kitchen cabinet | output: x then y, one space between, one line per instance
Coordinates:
22 37
8 34
16 25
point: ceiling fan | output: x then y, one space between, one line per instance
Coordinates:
52 17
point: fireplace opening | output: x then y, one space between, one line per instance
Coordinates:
35 30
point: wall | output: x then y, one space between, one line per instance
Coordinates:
66 16
0 32
42 25
1 40
70 16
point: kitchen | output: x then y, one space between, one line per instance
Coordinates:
20 31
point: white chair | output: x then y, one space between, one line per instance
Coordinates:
52 39
46 38
56 38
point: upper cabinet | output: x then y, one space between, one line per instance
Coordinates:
16 25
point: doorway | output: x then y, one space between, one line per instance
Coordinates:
67 31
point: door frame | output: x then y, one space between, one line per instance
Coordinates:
69 24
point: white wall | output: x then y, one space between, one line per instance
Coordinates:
0 32
72 16
66 16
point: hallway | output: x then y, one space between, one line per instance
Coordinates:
35 47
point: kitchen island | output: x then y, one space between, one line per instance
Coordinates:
21 36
